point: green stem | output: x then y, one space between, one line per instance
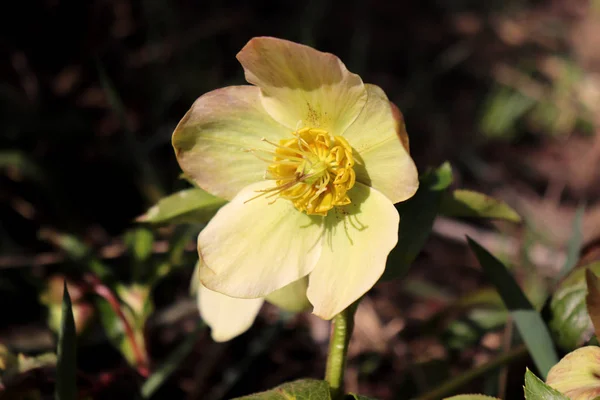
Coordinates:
451 386
341 330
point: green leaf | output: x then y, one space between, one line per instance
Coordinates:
592 300
570 323
536 389
66 372
528 321
305 389
135 306
416 220
574 245
466 203
471 397
187 206
166 369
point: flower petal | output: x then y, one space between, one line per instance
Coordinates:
227 317
356 244
301 86
379 138
291 297
212 140
252 248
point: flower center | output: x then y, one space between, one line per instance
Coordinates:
313 169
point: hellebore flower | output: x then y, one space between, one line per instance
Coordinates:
312 161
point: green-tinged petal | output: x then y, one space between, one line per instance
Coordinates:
301 86
253 247
227 317
214 140
577 375
291 297
379 139
356 244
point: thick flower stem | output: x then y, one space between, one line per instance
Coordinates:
341 330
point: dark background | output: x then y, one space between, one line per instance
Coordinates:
92 90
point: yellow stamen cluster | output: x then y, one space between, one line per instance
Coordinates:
314 170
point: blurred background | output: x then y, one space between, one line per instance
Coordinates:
508 91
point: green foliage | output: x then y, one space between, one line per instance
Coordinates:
416 220
536 389
570 323
528 321
467 203
12 366
187 206
575 243
66 370
592 300
305 389
166 369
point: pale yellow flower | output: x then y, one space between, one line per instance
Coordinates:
312 161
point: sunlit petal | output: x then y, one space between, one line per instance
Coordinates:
253 247
379 138
356 244
218 141
301 86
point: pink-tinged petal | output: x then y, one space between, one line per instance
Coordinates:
213 141
379 139
356 243
252 248
301 86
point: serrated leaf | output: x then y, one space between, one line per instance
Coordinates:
305 389
66 372
528 321
592 299
471 397
416 220
187 206
536 389
467 203
570 323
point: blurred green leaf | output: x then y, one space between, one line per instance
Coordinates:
353 396
536 389
502 110
305 389
416 220
471 397
592 299
135 306
570 323
170 365
66 371
13 366
187 206
529 323
574 245
467 203
140 241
